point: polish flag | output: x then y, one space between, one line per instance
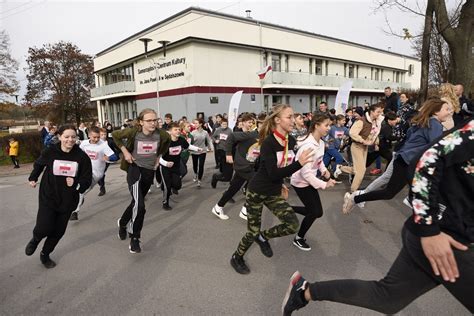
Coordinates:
262 73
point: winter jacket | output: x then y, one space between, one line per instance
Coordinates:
306 176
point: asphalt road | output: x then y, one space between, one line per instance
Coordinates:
184 267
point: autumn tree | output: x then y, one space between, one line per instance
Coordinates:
8 68
59 76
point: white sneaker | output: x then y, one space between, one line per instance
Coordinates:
195 178
359 192
243 213
199 183
337 172
406 201
219 212
348 203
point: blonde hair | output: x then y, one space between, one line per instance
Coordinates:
269 124
446 91
142 115
430 107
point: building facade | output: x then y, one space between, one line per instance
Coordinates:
210 55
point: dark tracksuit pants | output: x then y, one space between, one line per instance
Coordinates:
225 168
139 181
311 210
50 224
383 152
198 164
101 182
235 185
409 277
170 178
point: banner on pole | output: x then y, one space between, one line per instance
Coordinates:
234 108
342 97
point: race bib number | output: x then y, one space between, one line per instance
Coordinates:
339 134
93 155
223 136
146 148
65 168
253 153
175 151
281 161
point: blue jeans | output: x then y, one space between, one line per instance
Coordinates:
332 152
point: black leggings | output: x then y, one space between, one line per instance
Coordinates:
199 159
171 178
383 152
311 210
409 277
397 182
235 184
15 161
50 224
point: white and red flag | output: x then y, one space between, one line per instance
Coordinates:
262 73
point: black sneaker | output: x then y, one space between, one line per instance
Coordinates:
102 191
167 207
74 216
301 243
214 181
294 297
46 261
264 246
238 263
174 191
31 246
135 245
122 231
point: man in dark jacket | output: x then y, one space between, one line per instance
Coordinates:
391 101
467 106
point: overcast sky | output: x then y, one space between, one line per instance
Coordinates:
96 25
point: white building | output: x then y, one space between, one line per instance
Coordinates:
211 55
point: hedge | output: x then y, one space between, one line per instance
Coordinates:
30 147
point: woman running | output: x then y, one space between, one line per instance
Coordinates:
141 146
202 140
438 239
67 174
305 182
427 127
277 161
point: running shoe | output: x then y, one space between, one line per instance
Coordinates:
214 181
219 212
407 202
199 183
135 245
122 234
74 216
264 246
348 203
294 297
102 191
243 213
167 207
174 191
375 171
46 261
195 178
238 263
301 244
337 172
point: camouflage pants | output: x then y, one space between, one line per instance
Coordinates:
279 207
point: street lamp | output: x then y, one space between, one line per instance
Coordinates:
145 42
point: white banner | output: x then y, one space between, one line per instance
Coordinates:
234 108
342 97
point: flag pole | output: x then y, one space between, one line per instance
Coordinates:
261 94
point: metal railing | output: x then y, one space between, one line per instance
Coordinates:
118 87
306 79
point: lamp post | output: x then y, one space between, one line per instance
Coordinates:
145 42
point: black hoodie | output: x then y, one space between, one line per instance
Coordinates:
53 191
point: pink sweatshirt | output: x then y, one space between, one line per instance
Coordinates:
306 176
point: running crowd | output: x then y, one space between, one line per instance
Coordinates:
428 147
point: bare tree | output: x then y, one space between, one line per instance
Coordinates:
8 68
57 75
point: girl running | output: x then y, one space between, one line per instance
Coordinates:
202 140
141 146
277 161
67 174
427 127
305 182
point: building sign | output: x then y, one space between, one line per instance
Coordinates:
163 73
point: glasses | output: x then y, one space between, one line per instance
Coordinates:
151 121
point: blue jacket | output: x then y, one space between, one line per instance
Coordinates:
335 135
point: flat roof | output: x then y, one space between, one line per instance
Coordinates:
247 20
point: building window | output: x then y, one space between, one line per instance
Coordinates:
120 74
214 100
277 99
376 74
134 110
351 71
318 70
276 62
287 63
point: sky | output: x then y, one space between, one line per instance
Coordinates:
96 25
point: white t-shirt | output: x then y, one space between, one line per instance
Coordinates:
96 153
